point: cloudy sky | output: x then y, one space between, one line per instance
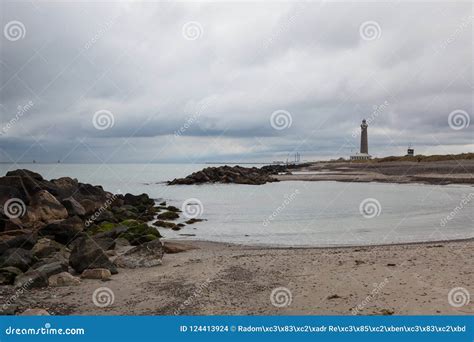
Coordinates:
250 81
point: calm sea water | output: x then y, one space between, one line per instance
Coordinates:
291 213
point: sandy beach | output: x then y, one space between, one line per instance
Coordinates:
213 279
432 172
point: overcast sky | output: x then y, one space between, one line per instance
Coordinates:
186 82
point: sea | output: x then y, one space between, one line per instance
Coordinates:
289 213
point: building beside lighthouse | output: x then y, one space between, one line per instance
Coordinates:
364 143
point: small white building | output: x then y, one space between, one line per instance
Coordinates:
361 156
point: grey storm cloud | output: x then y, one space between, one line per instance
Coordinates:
200 81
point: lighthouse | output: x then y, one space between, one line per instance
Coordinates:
364 143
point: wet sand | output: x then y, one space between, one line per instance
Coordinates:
223 279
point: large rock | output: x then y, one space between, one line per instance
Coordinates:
65 187
96 273
111 231
87 254
45 247
73 207
105 243
8 275
44 207
39 277
13 187
26 241
168 215
90 206
138 233
17 257
94 193
9 224
25 174
63 279
146 255
175 247
64 231
104 215
140 200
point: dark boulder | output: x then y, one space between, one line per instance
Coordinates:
13 187
113 232
105 215
86 253
25 173
38 277
146 255
164 224
8 275
65 187
73 207
26 241
138 232
64 231
138 200
168 215
33 182
106 243
17 257
94 193
9 224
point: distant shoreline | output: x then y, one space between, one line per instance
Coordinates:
442 172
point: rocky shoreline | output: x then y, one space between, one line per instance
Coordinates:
235 174
55 233
425 171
